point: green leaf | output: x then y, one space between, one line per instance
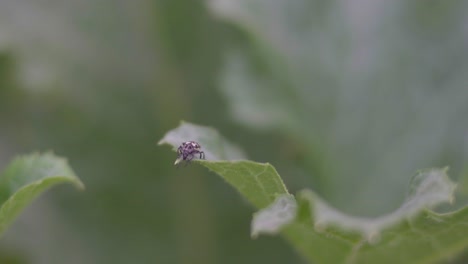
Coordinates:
428 188
425 237
27 177
323 234
410 234
259 183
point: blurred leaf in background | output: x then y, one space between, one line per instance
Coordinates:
356 93
25 178
100 82
373 90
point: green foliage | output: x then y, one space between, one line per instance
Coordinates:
345 98
26 178
410 234
259 183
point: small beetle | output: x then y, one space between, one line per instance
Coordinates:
187 151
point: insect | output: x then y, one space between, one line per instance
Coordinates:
187 151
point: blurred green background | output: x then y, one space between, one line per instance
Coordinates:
330 92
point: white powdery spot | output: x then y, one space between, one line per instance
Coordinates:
271 219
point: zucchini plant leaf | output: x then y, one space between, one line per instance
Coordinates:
410 234
27 177
258 183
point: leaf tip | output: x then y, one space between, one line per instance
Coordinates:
79 185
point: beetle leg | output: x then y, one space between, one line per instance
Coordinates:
188 159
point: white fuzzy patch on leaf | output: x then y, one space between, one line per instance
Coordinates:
270 219
427 189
